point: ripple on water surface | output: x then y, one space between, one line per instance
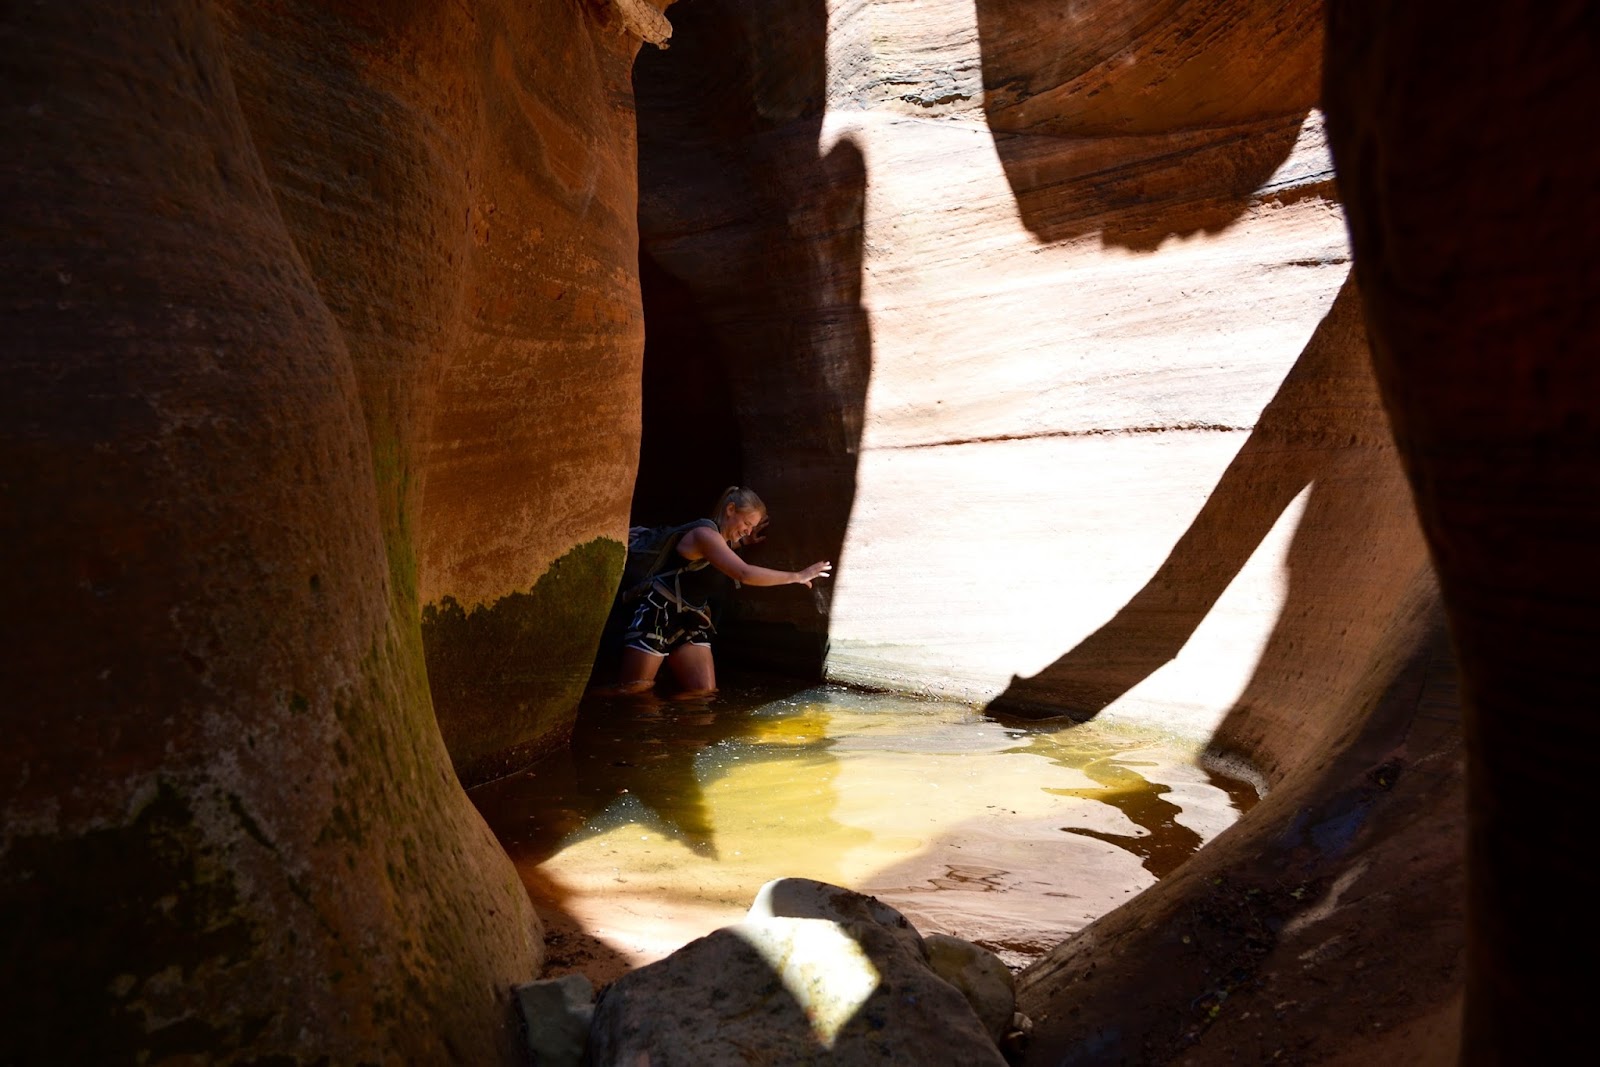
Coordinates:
661 820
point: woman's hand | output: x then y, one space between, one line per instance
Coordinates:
816 570
756 536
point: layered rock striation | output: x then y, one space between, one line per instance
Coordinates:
319 319
1017 313
460 183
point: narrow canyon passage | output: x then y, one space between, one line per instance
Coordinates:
1211 377
1063 362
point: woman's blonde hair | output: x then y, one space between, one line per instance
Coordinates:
741 498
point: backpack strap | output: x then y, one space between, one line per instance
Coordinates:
658 567
664 551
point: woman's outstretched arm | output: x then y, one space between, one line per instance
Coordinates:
707 544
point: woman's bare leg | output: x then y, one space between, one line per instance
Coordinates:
638 671
693 669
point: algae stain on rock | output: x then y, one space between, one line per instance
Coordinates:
177 918
506 677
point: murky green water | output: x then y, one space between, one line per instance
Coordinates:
662 820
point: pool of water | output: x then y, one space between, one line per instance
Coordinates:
661 820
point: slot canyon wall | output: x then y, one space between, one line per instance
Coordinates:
1040 320
321 415
1474 225
322 386
1439 842
1025 315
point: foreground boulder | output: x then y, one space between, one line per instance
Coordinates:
847 983
974 971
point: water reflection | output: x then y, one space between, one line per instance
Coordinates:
633 761
1106 760
662 819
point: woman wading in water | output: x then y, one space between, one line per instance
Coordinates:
672 619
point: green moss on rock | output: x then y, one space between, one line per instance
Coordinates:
506 677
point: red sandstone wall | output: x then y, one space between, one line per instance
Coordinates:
1027 336
1474 223
293 325
273 277
460 182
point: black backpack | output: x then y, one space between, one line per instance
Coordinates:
650 551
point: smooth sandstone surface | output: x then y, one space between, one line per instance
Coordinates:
460 183
1037 318
262 265
1033 351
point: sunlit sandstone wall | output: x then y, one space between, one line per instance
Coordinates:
275 278
1021 307
461 184
1474 230
1060 296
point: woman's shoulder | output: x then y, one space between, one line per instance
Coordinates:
696 534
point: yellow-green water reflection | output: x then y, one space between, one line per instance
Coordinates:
662 820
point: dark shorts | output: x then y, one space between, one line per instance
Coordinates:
659 626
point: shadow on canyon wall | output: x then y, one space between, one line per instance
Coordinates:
690 447
1323 428
757 350
231 263
1142 122
1237 935
1175 135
